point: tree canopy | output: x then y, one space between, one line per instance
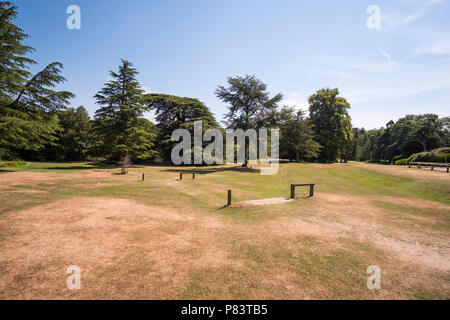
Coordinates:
328 113
174 112
36 122
119 121
28 103
297 137
249 104
404 137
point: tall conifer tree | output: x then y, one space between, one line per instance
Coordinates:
27 103
119 121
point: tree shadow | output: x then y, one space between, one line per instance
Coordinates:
86 166
213 170
5 171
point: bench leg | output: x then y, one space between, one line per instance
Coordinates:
311 191
292 191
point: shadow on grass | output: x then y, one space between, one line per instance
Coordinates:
87 166
201 170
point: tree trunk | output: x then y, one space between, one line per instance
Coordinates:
245 164
297 156
246 151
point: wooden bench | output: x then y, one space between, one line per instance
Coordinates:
430 164
181 175
311 188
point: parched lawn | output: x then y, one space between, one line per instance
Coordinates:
168 239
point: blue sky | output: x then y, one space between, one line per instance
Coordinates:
187 48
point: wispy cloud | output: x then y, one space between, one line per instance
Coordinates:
432 2
388 57
392 21
437 48
414 81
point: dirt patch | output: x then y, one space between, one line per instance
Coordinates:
128 249
373 235
347 198
9 179
263 202
324 165
34 178
112 241
26 191
359 218
95 185
424 204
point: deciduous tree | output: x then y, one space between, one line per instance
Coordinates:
328 113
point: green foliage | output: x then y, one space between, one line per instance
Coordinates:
173 113
296 135
249 105
332 124
401 162
13 164
28 105
13 63
36 124
409 135
248 102
435 155
74 138
119 125
444 157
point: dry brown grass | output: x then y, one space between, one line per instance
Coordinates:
188 248
405 171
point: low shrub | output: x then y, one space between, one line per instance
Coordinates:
444 157
13 164
401 162
435 155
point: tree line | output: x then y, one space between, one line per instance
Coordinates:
37 122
